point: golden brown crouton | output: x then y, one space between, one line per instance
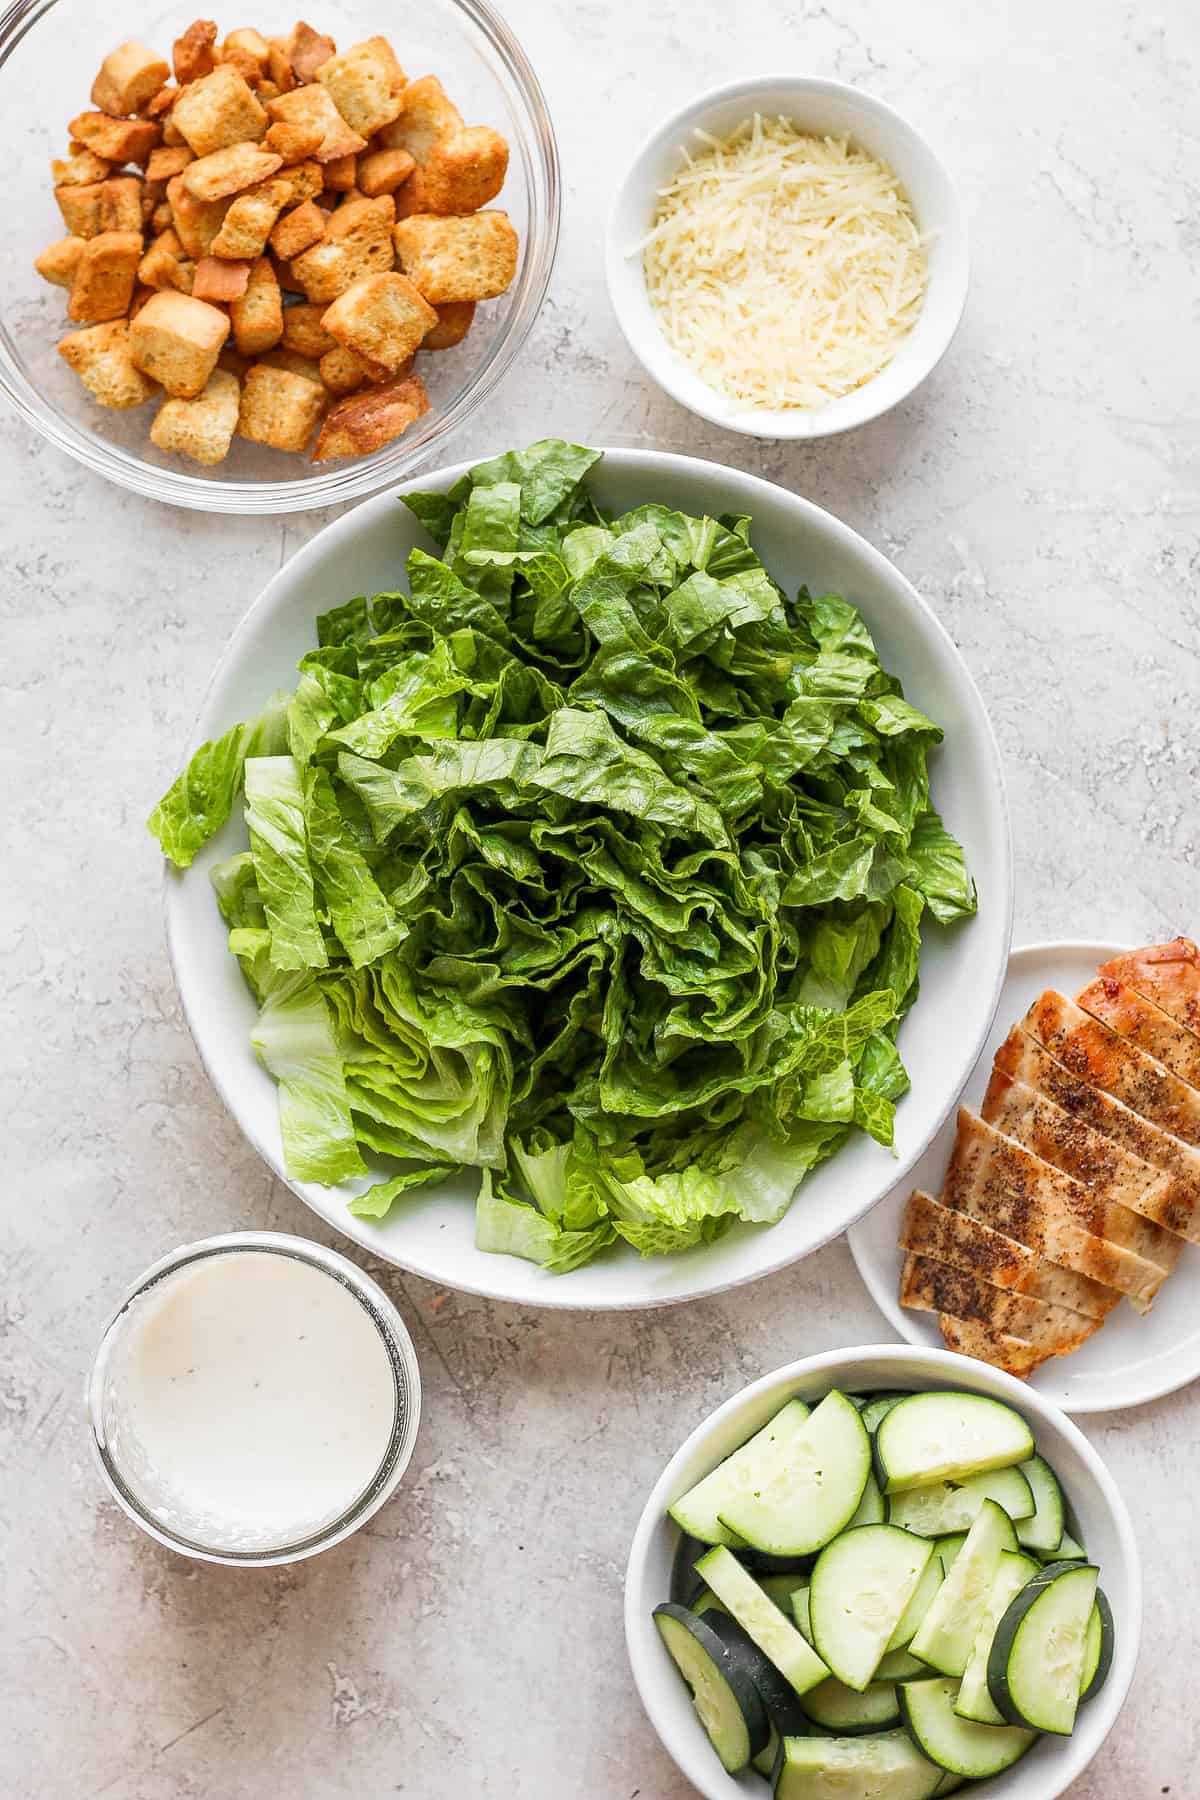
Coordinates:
116 140
279 65
364 83
345 371
340 173
168 160
464 171
80 208
367 421
471 258
162 102
268 90
121 203
129 76
285 275
426 115
305 179
383 317
194 53
196 221
382 171
233 361
278 408
295 364
229 171
104 277
171 133
101 357
312 106
454 321
162 218
219 111
163 265
248 222
58 262
140 296
357 242
307 50
202 428
294 141
80 169
298 230
304 332
258 316
251 43
177 340
220 280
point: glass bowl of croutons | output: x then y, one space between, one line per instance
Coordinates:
262 268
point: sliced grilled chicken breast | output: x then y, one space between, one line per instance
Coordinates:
931 1229
1022 1058
1145 1025
1090 1050
970 1338
1168 974
930 1286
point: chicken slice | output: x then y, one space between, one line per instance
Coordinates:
1167 974
930 1286
1145 1025
931 1229
1094 1053
970 1338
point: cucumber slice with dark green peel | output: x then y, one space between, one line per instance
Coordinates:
948 1548
886 1766
762 1621
696 1511
947 1633
872 1508
848 1713
950 1506
798 1494
1035 1668
860 1588
706 1602
765 1761
686 1586
784 1711
959 1745
1098 1648
974 1701
764 1564
878 1408
1044 1531
727 1702
802 1610
900 1665
924 1595
944 1436
1069 1550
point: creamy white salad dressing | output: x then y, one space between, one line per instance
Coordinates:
249 1399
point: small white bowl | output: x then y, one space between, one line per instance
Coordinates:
821 107
1097 1512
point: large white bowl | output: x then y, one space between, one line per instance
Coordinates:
825 108
1098 1514
432 1232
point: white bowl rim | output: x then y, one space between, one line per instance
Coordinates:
558 1295
796 424
915 1361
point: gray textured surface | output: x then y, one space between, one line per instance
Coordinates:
1041 490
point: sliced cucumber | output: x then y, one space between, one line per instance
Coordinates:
949 1784
974 1701
887 1766
1044 1531
946 1506
802 1489
900 1665
878 1408
847 1712
686 1586
959 1745
784 1711
923 1597
762 1564
780 1589
762 1620
696 1511
860 1588
1069 1550
948 1548
802 1611
706 1603
872 1508
727 1702
947 1633
764 1762
944 1436
1098 1648
1035 1669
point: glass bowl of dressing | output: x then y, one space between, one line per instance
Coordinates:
255 1399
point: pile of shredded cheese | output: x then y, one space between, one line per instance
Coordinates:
786 269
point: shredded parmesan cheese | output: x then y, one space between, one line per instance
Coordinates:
786 269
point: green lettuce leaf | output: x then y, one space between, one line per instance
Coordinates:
199 801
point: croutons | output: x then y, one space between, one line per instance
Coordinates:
177 340
257 317
383 170
367 421
164 265
194 53
365 83
102 287
357 242
304 330
168 161
101 358
219 111
162 102
305 181
470 258
202 428
383 317
80 169
340 174
279 408
295 139
80 208
129 76
245 48
463 172
116 140
307 50
295 364
453 323
345 371
249 220
426 115
220 280
312 106
121 204
58 261
197 221
298 230
229 171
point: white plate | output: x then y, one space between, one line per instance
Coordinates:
1132 1358
432 1231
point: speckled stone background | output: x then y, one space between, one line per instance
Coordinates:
1042 490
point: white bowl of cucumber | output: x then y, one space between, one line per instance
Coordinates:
886 1590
